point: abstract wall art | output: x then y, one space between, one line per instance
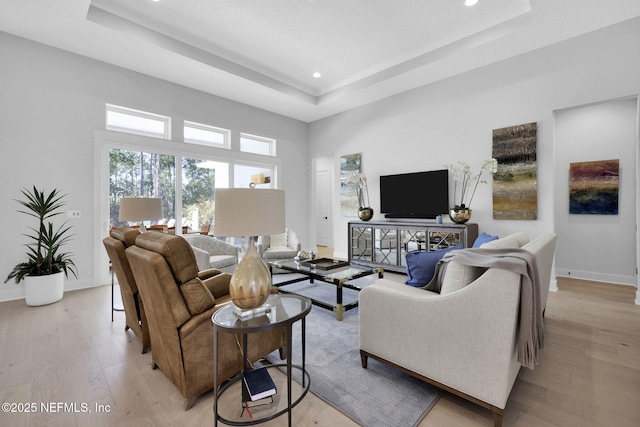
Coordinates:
515 185
593 187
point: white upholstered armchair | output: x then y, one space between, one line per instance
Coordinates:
279 246
213 253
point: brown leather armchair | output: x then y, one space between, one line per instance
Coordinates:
116 244
179 304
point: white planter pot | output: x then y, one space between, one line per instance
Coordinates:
42 290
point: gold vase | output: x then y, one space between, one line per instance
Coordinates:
460 216
365 214
251 282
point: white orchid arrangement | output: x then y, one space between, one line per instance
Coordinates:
359 181
464 180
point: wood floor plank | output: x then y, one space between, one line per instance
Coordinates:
71 352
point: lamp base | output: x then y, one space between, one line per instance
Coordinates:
247 313
250 284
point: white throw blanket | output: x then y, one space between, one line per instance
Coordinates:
520 261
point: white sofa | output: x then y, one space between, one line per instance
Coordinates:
463 340
213 253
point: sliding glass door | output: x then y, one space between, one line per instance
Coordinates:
183 176
200 178
141 174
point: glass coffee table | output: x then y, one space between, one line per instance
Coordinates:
336 272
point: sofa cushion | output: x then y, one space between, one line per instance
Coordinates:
280 240
483 238
515 240
421 265
458 276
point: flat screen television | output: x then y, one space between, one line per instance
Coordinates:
415 195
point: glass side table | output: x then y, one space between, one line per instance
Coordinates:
286 309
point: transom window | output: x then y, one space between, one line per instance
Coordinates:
198 133
122 119
257 144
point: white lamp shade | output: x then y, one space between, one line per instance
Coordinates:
140 209
249 212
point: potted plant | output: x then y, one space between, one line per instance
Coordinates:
465 180
359 181
46 266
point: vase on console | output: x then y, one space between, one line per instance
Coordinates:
365 214
466 183
359 182
460 216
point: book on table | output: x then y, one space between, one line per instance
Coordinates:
257 384
264 402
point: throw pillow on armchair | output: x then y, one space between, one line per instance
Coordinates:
421 265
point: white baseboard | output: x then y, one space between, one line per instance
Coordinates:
16 292
597 277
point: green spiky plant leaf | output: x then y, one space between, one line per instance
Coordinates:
43 249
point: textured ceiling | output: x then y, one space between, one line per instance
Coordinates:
263 52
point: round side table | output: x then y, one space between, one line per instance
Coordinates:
285 310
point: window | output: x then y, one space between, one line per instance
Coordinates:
122 119
199 179
141 174
257 144
197 133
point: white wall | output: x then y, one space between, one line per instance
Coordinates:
607 243
453 120
51 102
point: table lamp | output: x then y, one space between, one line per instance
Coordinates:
140 209
249 212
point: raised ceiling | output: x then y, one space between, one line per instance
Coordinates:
264 52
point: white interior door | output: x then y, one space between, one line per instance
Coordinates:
323 208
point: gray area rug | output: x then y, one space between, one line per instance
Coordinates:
373 397
322 291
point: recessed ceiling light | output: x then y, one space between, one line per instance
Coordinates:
470 2
316 75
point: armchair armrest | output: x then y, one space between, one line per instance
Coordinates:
202 258
196 322
208 273
262 243
218 285
294 242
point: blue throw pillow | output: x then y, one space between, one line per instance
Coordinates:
421 265
483 238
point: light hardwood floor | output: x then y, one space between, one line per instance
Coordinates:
70 352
